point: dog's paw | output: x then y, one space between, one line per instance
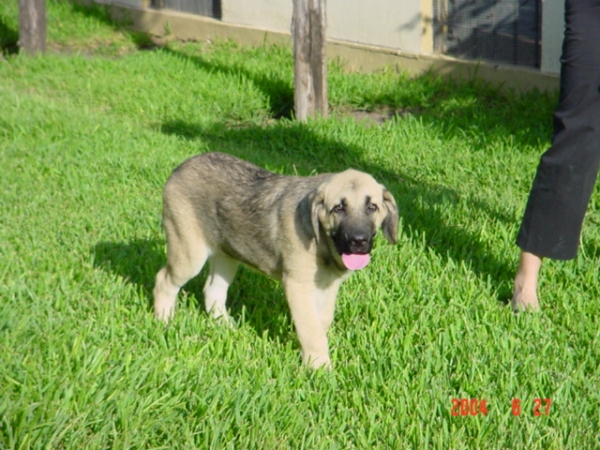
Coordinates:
317 362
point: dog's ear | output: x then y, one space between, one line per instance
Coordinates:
389 226
317 204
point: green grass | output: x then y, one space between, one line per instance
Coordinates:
89 134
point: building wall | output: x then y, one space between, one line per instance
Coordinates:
396 27
271 15
400 25
383 23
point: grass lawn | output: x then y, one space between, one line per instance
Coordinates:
88 135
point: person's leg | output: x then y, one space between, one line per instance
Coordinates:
567 172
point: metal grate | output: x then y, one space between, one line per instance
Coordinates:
210 8
504 31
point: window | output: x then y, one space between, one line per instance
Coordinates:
210 8
504 31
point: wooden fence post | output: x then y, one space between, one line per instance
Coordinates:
32 26
310 60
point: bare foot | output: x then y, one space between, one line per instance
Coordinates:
525 294
524 299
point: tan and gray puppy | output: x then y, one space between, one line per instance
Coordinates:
308 232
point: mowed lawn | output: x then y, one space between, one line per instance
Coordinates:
88 135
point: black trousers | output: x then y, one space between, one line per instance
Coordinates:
567 172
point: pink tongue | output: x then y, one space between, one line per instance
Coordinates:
355 261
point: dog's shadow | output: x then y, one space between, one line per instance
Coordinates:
252 299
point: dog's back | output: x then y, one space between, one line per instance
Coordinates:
230 199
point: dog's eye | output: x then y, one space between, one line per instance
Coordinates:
372 207
338 208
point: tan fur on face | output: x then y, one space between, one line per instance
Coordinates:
227 211
354 187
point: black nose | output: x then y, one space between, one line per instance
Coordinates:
358 243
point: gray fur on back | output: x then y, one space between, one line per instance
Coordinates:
240 207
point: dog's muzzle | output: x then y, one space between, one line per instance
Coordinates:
354 247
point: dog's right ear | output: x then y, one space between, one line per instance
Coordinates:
317 204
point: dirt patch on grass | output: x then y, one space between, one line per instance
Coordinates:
375 116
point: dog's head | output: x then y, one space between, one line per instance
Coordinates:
347 210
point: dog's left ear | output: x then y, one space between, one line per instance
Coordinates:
389 226
317 203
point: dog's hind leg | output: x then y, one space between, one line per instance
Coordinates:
186 254
222 273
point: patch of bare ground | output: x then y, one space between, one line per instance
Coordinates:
375 116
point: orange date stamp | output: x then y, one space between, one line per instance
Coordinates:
479 407
469 407
541 407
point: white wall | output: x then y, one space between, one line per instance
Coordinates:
272 15
395 24
384 23
398 25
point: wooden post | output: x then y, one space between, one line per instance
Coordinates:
310 60
32 26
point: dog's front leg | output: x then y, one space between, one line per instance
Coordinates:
325 299
313 339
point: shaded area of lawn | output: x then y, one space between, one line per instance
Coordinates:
138 260
9 37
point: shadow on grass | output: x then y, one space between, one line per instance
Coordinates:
9 39
296 147
139 260
476 106
136 261
279 92
454 109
